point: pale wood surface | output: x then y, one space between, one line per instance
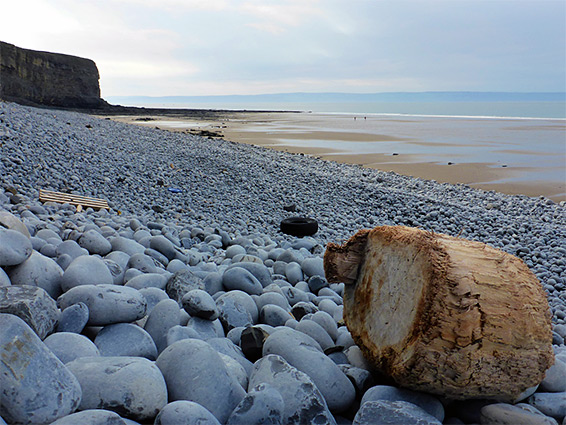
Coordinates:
444 315
67 198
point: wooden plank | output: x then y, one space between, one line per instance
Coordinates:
78 200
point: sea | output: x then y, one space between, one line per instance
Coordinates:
525 133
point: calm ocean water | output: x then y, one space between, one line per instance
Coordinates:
517 109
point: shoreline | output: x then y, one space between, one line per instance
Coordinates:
293 131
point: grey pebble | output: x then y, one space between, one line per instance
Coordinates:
206 329
86 270
392 412
315 331
132 386
92 417
304 353
274 315
125 339
182 282
73 318
148 280
192 360
313 266
551 404
94 243
508 414
15 248
40 271
4 278
199 303
163 317
236 308
555 378
427 402
184 412
239 278
35 386
293 272
262 405
107 304
303 402
68 346
31 304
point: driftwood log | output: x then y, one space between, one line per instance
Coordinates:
442 314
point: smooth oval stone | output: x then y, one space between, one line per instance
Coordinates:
206 329
94 243
71 248
129 246
236 309
153 296
163 317
313 266
507 414
92 417
274 315
73 319
35 386
38 270
10 221
107 304
15 248
125 339
327 322
33 305
555 378
551 404
68 346
184 412
163 245
301 351
427 402
262 405
143 263
392 412
178 333
272 298
47 234
315 331
316 283
260 271
294 295
303 402
86 270
199 303
293 273
239 278
148 280
193 360
131 386
234 250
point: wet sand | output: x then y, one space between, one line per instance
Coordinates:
490 154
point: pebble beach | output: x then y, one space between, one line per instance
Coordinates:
188 279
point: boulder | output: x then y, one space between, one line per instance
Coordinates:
35 386
31 304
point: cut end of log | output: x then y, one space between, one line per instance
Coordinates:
442 314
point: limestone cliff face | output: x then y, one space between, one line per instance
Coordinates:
52 79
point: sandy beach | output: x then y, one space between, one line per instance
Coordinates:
510 156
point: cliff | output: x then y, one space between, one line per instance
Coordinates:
51 79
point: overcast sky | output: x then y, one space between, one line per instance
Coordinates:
208 47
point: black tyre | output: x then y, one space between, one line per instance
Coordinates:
299 226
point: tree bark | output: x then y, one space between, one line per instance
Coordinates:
443 315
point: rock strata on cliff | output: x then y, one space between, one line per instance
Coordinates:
52 79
